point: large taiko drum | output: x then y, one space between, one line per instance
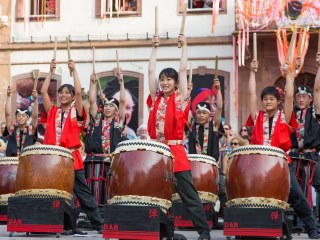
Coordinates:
141 174
8 171
205 177
45 171
258 176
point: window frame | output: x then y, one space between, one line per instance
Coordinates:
36 18
201 11
137 13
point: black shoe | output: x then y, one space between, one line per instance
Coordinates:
313 234
100 229
73 232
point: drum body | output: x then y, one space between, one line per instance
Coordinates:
142 174
96 177
45 171
8 171
257 171
205 176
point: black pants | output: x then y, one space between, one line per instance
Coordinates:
192 202
86 200
300 204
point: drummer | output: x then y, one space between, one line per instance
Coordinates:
306 139
169 108
104 131
63 127
21 134
204 136
272 127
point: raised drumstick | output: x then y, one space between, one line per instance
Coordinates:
183 21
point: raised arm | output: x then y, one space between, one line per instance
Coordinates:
252 89
316 88
8 108
93 95
87 108
44 89
218 113
122 98
153 83
289 93
183 81
77 88
35 111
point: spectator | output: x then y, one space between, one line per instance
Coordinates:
142 132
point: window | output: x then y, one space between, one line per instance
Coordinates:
104 8
38 10
202 6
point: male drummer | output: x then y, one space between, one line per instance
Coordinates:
306 139
272 127
104 131
21 134
63 127
205 134
103 134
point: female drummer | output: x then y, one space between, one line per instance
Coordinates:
169 108
272 127
63 127
21 134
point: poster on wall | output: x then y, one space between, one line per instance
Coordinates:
111 88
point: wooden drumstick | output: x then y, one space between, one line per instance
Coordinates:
291 47
301 44
69 53
190 74
156 24
55 51
9 68
216 69
35 75
319 42
93 60
118 66
255 53
183 21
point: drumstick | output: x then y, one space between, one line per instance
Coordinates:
69 53
216 69
319 42
291 47
10 68
190 74
118 67
55 51
255 54
93 60
156 24
183 21
35 74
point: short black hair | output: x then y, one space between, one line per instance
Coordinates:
270 90
171 73
69 87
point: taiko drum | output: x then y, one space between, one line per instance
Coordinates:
45 167
8 171
205 175
258 171
141 171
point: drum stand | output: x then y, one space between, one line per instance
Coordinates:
136 222
182 219
39 215
256 223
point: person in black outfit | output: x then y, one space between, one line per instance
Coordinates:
20 135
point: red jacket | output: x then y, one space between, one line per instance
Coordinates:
175 120
70 137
